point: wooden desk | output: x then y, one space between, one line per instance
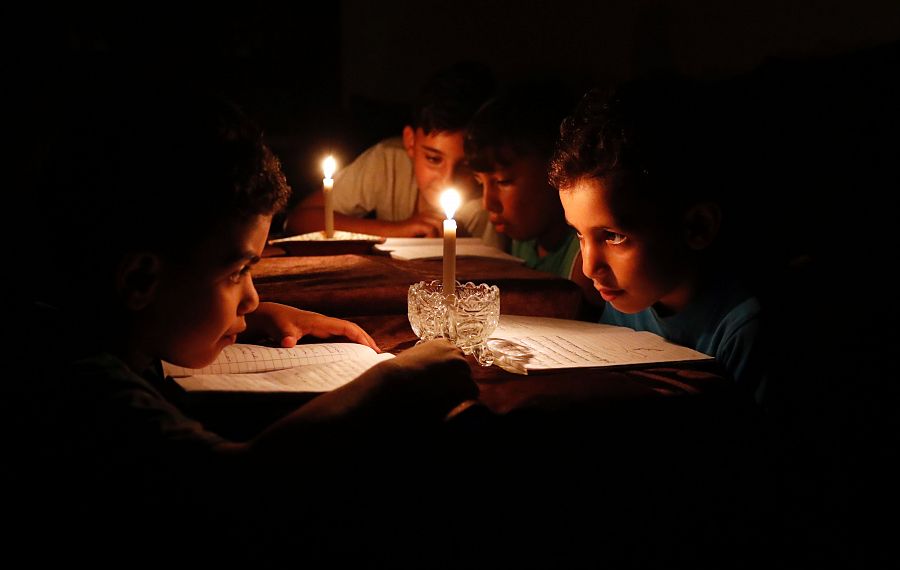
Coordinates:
242 415
347 285
503 392
588 463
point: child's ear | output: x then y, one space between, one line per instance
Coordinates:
136 279
701 224
409 140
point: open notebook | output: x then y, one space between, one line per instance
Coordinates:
531 344
520 344
303 368
433 248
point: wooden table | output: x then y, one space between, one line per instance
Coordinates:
371 290
501 393
349 285
548 470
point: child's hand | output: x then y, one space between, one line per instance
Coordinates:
432 377
420 225
417 388
289 325
433 357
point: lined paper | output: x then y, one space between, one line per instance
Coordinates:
433 248
247 358
307 378
552 344
303 368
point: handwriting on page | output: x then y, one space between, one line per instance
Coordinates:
320 377
551 352
558 352
517 326
433 248
248 358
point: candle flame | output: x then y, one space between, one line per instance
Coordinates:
450 201
329 166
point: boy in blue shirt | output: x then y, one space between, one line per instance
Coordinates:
634 184
508 145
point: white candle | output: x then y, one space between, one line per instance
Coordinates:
328 167
450 202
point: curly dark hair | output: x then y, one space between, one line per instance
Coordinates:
523 121
650 141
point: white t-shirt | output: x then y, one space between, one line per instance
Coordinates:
382 180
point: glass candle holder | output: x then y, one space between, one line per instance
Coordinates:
427 310
467 318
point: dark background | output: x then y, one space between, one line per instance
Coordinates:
339 75
814 90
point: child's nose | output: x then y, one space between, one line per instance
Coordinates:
489 198
447 174
592 259
250 299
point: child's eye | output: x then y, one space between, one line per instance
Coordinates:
433 159
238 275
505 183
612 238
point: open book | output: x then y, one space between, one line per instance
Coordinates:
303 368
523 344
433 248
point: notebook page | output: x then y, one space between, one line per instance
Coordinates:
433 248
393 243
516 325
550 344
309 378
249 358
579 351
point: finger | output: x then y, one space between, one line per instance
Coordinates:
288 341
326 327
428 227
358 335
335 327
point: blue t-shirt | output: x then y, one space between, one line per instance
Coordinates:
558 262
723 321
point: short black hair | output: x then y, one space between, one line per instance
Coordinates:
450 97
653 137
523 121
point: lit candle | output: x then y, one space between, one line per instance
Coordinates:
328 166
450 202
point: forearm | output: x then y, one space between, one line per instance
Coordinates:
304 220
366 225
260 322
417 388
311 219
329 413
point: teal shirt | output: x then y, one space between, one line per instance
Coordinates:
723 321
559 261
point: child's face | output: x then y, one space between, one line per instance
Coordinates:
201 301
521 202
632 268
438 163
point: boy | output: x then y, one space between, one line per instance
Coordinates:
163 214
508 146
646 209
400 180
